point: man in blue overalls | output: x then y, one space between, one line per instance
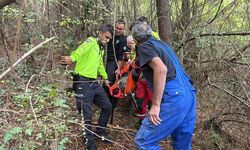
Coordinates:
173 110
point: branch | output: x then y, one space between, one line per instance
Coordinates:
9 110
31 96
239 55
24 56
214 34
232 120
217 12
84 127
229 93
4 3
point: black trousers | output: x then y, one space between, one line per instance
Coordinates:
110 69
90 92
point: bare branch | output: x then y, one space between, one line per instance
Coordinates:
24 56
233 120
9 110
239 55
217 12
214 34
229 93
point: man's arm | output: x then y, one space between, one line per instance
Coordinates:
159 81
76 54
101 70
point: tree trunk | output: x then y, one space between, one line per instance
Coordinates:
164 21
185 16
135 7
4 3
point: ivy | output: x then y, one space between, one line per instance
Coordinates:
62 143
39 136
29 131
2 148
11 133
60 103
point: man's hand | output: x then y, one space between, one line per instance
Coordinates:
65 60
107 82
117 72
154 114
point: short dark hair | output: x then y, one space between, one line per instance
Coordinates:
120 21
143 19
106 28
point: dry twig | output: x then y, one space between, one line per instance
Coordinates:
24 56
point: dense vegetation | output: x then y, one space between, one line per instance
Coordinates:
37 109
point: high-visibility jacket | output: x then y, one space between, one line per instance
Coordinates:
155 35
89 59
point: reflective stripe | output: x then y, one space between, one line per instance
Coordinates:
141 115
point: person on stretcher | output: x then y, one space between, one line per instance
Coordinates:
142 93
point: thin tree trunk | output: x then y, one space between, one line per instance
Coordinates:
135 9
5 47
18 31
164 21
185 16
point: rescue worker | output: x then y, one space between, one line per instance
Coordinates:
115 52
143 95
88 59
145 20
173 110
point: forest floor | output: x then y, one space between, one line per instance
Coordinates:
122 130
51 86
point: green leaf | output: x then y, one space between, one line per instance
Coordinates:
16 130
2 148
52 93
61 103
7 137
38 136
29 131
62 143
9 134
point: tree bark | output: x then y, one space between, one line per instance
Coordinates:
164 21
4 3
135 5
5 47
185 16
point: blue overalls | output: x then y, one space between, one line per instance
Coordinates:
177 110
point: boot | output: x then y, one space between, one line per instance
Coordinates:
91 146
104 137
